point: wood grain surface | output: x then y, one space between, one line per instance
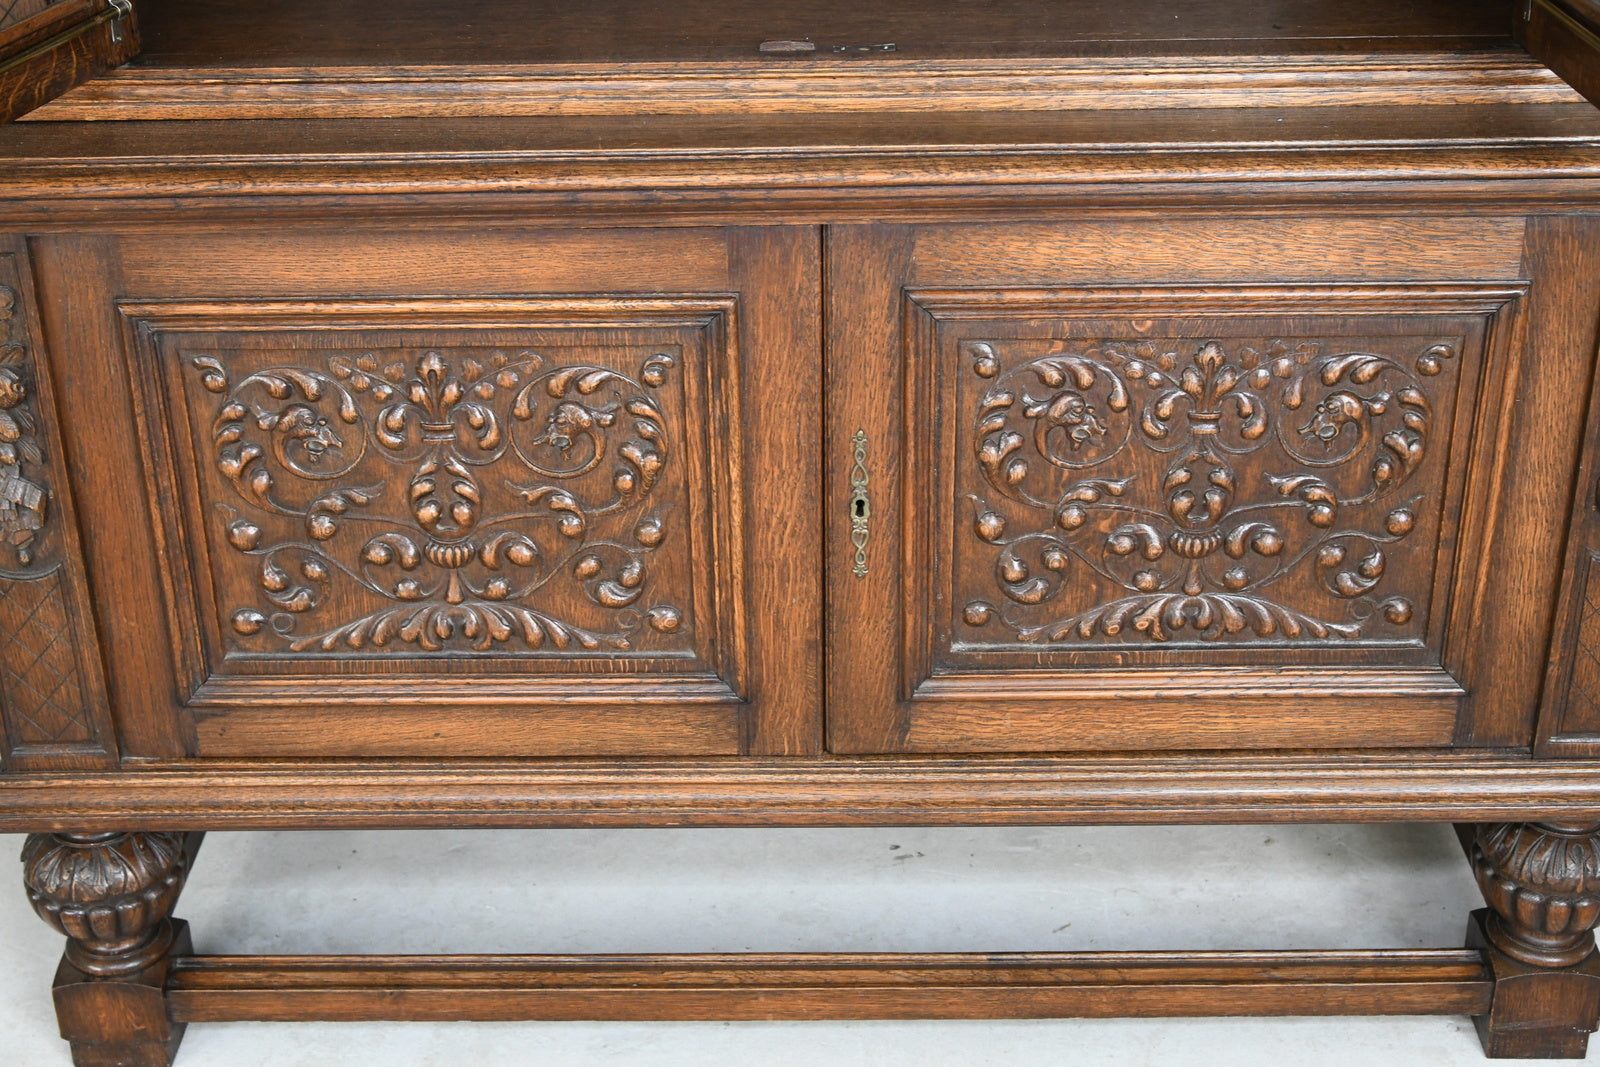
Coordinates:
871 986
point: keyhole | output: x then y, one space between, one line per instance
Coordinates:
861 509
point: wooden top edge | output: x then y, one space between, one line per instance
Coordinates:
1425 786
1509 58
1327 764
742 87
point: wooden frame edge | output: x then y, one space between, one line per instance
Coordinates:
734 791
828 986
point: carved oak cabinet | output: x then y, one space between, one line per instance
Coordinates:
489 414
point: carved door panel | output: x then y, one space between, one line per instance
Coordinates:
393 514
1105 487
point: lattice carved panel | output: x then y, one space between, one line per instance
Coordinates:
38 664
1583 686
49 669
13 12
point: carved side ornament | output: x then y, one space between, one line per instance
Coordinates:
1542 881
49 672
112 895
24 502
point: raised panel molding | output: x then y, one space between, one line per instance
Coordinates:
512 499
1156 489
54 701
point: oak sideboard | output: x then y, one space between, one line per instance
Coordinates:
481 413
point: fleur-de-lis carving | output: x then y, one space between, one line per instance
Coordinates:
1203 554
454 568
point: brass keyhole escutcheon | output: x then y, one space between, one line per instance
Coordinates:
860 503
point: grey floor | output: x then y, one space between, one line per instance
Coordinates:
801 890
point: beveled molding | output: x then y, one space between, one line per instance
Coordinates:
465 383
902 791
811 986
1425 674
810 85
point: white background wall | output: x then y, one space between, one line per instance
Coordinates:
800 890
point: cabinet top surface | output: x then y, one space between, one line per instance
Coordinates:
298 33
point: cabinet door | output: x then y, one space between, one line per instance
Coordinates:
1154 485
365 490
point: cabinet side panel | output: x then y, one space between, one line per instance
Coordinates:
1569 720
52 692
1540 455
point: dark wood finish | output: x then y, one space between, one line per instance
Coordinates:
1034 431
612 32
571 415
455 524
1570 721
47 48
1536 1013
1540 880
1565 36
862 88
869 986
52 689
976 791
1438 161
112 894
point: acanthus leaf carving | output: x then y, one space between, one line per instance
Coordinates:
1264 451
453 487
24 500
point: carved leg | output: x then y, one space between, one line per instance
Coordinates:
113 895
1542 882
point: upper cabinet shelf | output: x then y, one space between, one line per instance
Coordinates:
291 33
414 58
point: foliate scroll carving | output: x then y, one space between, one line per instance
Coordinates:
24 499
1222 491
111 894
1542 881
462 499
46 692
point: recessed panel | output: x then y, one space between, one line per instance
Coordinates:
1122 482
436 493
1149 491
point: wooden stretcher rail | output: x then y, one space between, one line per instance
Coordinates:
818 986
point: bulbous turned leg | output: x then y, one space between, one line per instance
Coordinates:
1542 884
112 894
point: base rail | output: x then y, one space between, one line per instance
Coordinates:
828 986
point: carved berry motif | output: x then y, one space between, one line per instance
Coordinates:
437 498
1146 492
24 501
48 697
111 894
1543 883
